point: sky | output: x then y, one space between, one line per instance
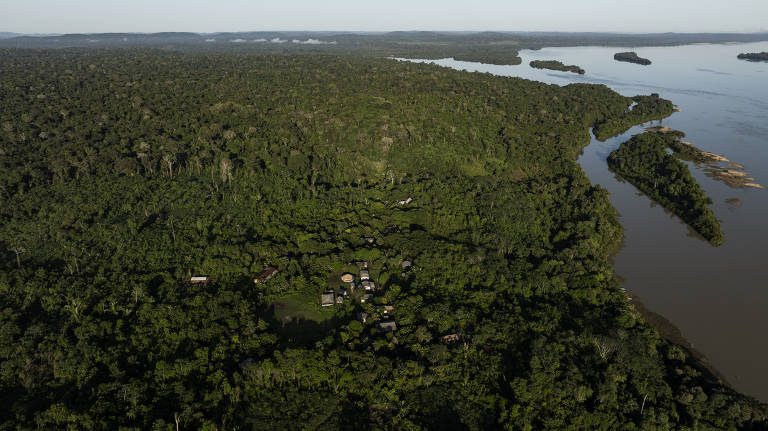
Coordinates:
96 16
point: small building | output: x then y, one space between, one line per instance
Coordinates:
339 300
347 278
450 338
366 298
200 279
265 275
326 299
342 292
385 309
405 202
370 240
362 316
368 285
386 326
406 265
246 362
364 275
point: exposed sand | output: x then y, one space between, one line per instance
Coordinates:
715 157
755 185
732 178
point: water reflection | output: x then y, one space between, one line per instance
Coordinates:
716 296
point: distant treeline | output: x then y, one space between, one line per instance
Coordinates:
556 65
631 57
644 162
485 47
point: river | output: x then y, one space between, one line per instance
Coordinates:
717 296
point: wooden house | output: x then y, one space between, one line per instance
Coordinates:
362 316
200 279
265 275
326 299
386 326
450 338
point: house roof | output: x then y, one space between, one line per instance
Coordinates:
326 298
387 326
200 279
265 275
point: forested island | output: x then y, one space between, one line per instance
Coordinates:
754 56
645 162
644 109
556 65
319 242
631 57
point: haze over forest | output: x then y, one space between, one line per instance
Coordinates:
654 16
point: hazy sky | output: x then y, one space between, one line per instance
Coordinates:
91 16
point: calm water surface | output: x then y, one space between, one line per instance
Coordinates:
718 297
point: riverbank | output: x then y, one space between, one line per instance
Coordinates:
674 335
711 294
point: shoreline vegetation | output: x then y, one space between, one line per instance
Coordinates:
631 57
754 56
645 109
128 173
556 65
644 162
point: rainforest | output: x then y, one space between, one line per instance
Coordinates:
174 225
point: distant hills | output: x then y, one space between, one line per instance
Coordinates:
527 38
8 35
489 47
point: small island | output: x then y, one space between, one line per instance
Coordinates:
754 56
644 109
556 65
645 162
631 57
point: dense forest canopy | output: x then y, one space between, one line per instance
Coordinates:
643 109
125 173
